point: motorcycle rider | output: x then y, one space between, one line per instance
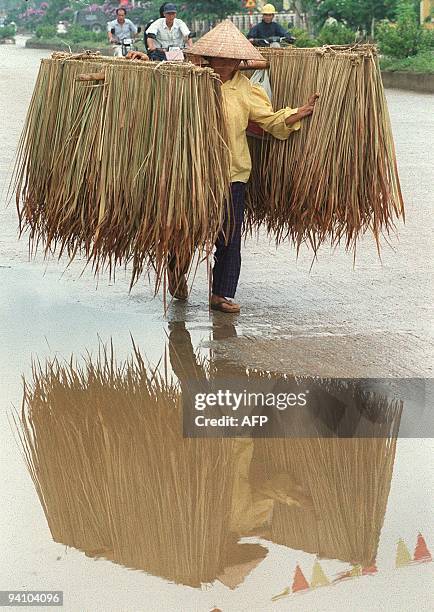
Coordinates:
151 21
167 32
123 28
268 28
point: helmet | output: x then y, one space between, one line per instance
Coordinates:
268 9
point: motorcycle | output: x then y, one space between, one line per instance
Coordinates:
172 54
273 41
123 47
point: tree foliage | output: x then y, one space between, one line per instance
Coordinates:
35 12
355 13
405 37
336 34
210 10
303 38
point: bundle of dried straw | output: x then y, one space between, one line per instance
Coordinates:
130 163
115 477
337 176
347 480
129 166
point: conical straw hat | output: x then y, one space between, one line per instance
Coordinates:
225 40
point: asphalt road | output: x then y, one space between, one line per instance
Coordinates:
336 319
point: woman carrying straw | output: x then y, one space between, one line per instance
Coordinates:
224 48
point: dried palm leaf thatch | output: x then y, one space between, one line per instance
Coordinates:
116 479
346 479
349 482
129 168
337 176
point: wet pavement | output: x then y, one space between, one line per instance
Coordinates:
328 320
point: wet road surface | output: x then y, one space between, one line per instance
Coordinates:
335 319
373 319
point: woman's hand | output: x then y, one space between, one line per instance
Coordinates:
313 99
303 111
307 109
137 55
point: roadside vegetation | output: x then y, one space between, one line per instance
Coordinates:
403 42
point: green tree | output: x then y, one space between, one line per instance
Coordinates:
303 38
335 34
210 10
403 38
53 9
304 10
355 13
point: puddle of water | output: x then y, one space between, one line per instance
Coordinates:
233 524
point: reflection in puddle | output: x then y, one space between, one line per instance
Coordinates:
117 479
348 481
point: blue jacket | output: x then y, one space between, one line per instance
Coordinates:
267 30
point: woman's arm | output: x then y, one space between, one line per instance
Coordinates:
303 111
280 123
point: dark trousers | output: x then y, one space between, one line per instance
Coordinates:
227 256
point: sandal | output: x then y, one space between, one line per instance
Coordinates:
177 286
225 305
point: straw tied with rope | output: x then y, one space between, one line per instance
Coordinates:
224 48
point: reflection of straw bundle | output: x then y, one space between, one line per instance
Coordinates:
348 481
133 167
337 176
117 479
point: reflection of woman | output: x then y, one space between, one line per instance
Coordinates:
318 489
116 478
254 494
225 47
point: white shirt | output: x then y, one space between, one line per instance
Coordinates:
166 38
125 30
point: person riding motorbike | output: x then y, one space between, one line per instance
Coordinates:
268 28
123 29
150 22
166 34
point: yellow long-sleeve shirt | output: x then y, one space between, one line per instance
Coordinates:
246 102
